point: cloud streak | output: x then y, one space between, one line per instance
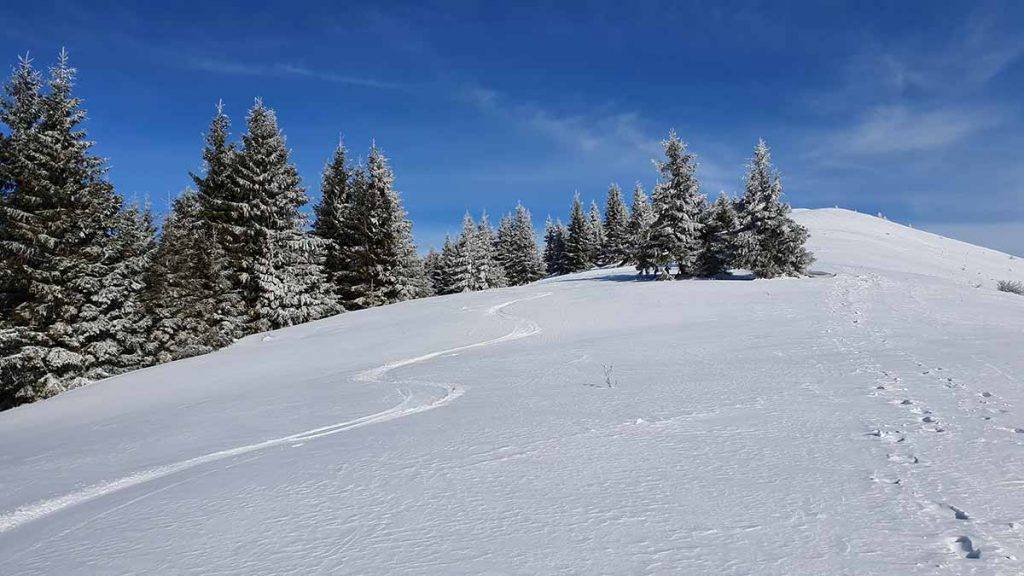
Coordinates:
285 69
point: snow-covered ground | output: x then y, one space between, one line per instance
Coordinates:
866 423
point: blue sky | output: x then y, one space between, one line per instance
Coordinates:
911 109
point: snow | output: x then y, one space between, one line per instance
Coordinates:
861 423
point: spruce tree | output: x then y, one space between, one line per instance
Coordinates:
678 203
771 244
337 190
432 268
487 269
556 259
61 216
453 268
188 298
579 244
719 240
617 245
382 263
640 219
518 245
597 235
282 275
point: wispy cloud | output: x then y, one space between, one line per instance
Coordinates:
901 128
285 69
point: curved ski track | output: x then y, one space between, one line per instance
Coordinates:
524 328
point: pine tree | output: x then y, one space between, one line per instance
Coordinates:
282 275
597 235
60 221
192 307
640 219
517 248
678 204
432 268
771 244
383 266
453 269
617 245
556 259
223 213
337 190
721 225
579 243
487 268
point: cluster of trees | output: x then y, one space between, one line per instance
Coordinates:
89 289
679 229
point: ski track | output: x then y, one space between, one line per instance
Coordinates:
524 328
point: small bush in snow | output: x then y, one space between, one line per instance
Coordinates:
1011 286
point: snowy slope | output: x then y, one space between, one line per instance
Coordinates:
865 423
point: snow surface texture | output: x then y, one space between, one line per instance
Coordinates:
864 423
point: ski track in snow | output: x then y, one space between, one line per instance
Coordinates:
524 328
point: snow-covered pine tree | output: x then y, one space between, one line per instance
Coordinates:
282 279
60 247
641 217
383 266
189 299
453 268
771 244
126 321
556 260
337 189
504 251
718 237
678 205
433 270
617 246
489 272
579 240
522 260
597 235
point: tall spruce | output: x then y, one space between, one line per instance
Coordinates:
641 217
60 219
771 244
191 304
719 239
579 243
556 260
282 273
517 248
597 235
675 235
337 195
383 265
617 247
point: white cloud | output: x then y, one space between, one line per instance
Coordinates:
900 128
284 69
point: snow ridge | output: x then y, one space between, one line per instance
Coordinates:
524 328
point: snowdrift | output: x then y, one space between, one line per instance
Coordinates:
866 422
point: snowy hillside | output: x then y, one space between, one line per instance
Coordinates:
870 422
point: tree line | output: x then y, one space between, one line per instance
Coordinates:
90 289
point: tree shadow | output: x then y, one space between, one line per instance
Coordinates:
620 277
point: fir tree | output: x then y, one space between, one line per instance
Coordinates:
721 224
337 189
771 244
432 268
383 266
191 304
556 259
282 277
597 235
517 248
453 268
617 247
678 204
579 243
640 219
61 218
